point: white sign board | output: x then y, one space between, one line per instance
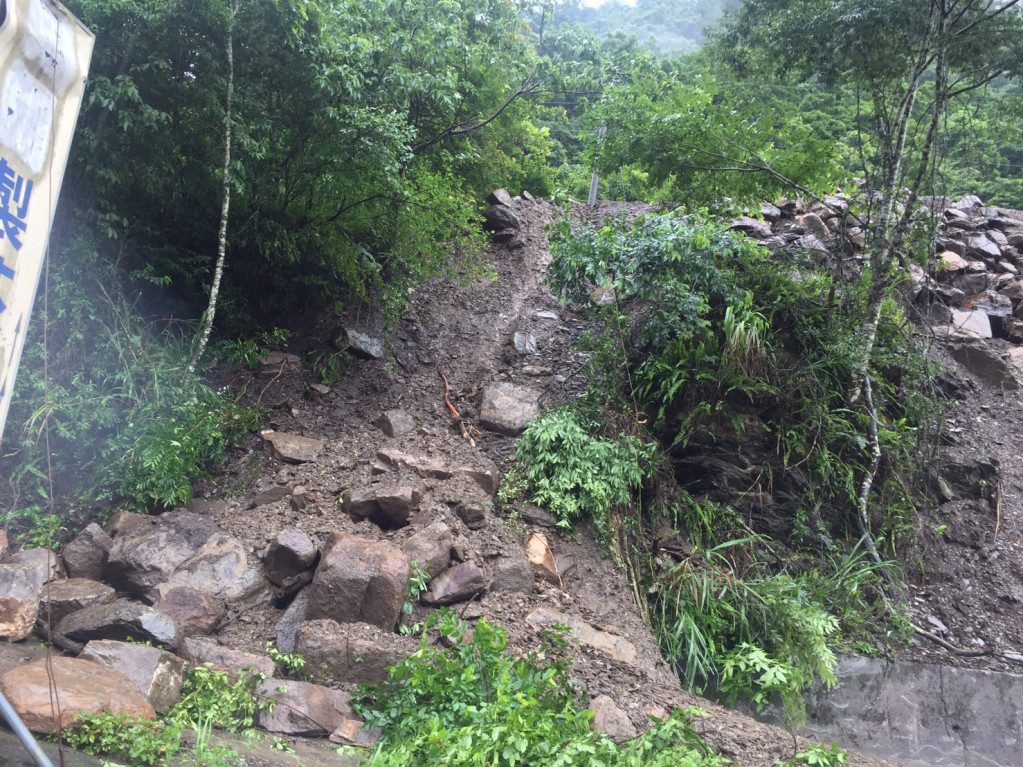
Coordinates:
44 58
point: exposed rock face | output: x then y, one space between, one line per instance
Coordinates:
157 674
541 558
611 720
145 555
61 598
83 687
195 611
359 581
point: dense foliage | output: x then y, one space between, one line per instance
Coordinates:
473 703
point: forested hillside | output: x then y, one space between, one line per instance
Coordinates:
306 177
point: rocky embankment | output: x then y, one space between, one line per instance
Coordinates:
308 536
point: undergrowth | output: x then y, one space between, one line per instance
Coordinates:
474 703
712 345
113 416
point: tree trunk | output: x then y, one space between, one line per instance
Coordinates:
218 272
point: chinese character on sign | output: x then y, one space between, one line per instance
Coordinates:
15 195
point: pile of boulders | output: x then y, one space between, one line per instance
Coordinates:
971 293
139 600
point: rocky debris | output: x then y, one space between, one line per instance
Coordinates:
82 687
45 563
86 556
513 575
61 598
430 548
359 581
395 422
202 651
456 584
19 601
120 620
156 673
387 506
541 558
4 544
617 647
303 709
753 227
362 344
291 448
195 611
609 719
291 554
509 408
350 653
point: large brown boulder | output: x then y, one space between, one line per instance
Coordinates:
349 653
303 709
359 581
120 620
86 556
82 687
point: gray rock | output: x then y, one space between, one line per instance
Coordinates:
980 246
86 556
44 561
200 651
120 620
395 422
512 575
770 212
19 601
430 548
970 324
984 362
156 673
61 598
500 197
294 616
508 408
221 567
350 653
617 647
303 709
456 584
753 227
814 225
145 555
524 343
195 611
500 217
271 495
291 553
291 448
609 719
387 506
991 303
363 344
359 581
